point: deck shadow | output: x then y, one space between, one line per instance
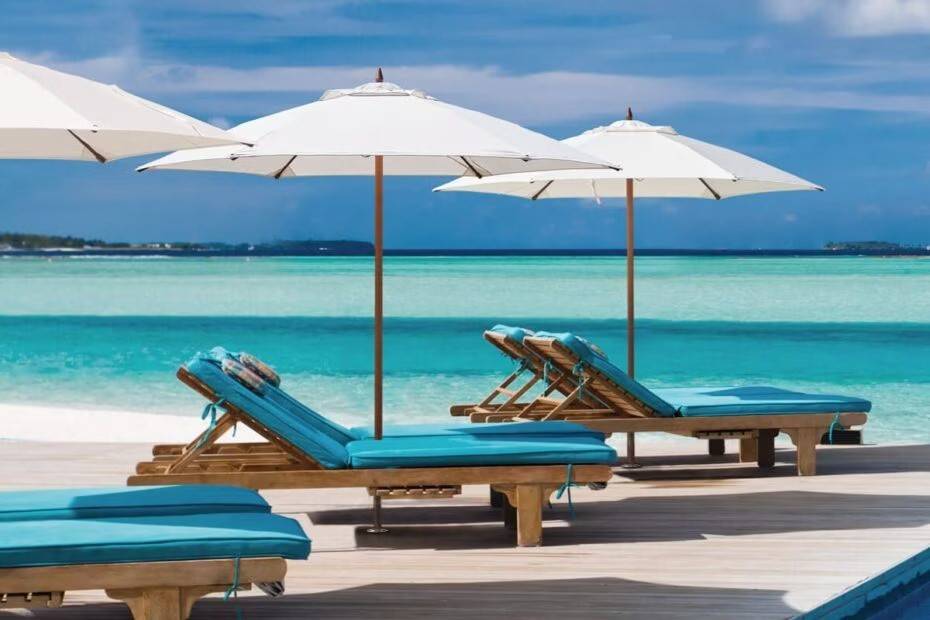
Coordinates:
556 599
641 519
830 461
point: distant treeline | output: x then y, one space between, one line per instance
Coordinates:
21 241
872 246
37 243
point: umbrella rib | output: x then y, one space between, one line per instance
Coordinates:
709 188
544 188
100 158
279 173
471 167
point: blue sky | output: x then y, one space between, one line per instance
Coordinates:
836 91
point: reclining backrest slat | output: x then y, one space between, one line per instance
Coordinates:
512 341
607 382
294 430
274 393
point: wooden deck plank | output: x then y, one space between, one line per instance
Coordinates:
686 536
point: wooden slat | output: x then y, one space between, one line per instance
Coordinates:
139 575
335 478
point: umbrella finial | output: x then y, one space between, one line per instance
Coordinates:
379 76
629 114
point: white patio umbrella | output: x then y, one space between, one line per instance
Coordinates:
47 114
653 161
377 129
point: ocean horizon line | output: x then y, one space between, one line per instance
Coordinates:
474 252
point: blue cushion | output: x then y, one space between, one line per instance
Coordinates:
127 502
335 431
516 334
464 450
749 400
150 539
297 431
549 427
596 359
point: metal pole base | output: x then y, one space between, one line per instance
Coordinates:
631 452
376 526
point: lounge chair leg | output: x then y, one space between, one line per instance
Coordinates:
805 440
529 515
377 527
159 603
497 499
766 448
748 450
631 452
716 447
510 515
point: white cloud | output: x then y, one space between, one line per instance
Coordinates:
856 18
532 98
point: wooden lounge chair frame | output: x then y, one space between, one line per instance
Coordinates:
152 590
529 362
276 464
629 415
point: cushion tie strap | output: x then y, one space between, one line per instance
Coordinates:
567 487
209 411
833 424
233 589
578 371
547 368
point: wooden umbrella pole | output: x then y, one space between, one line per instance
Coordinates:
379 295
630 306
376 526
630 314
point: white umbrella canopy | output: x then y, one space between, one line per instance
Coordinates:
47 114
661 162
653 162
416 134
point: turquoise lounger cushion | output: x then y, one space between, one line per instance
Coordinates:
712 401
548 427
296 430
150 539
513 333
335 431
127 502
749 400
469 450
582 348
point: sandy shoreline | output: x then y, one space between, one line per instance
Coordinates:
46 423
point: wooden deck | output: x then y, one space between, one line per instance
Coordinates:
697 537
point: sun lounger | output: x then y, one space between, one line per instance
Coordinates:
304 449
752 414
157 549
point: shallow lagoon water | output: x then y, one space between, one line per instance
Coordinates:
110 332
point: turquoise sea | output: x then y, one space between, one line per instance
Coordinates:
109 333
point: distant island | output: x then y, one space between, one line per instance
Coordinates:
874 247
24 244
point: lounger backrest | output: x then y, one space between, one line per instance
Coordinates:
572 354
268 413
280 397
107 503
